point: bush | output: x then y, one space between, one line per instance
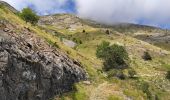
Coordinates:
107 32
114 56
168 75
147 56
131 73
84 31
78 41
29 16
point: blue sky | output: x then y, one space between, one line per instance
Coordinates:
44 7
147 12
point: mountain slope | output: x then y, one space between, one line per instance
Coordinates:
30 43
89 34
70 24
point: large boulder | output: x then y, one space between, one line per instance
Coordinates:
30 72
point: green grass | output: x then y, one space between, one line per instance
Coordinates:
132 94
115 97
80 93
167 66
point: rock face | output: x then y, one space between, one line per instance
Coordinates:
32 70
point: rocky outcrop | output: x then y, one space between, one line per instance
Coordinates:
32 70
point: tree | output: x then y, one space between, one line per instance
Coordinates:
114 56
29 16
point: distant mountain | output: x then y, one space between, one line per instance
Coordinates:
71 23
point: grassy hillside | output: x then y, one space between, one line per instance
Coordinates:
150 82
151 73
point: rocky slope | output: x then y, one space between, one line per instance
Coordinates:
31 69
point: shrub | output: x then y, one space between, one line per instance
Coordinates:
107 32
78 41
29 16
147 56
168 75
84 31
114 56
131 73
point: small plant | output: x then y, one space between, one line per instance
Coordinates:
147 56
78 41
56 45
107 32
84 31
168 75
131 73
29 16
68 52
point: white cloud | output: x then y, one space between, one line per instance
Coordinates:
151 12
112 11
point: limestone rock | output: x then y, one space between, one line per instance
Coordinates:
29 72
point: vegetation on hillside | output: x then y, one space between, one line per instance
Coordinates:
29 15
114 56
147 56
131 73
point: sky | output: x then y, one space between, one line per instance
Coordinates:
146 12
